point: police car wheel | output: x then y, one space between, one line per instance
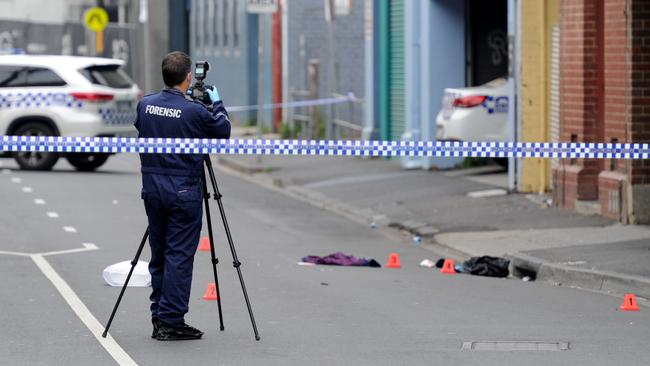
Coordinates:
35 160
87 162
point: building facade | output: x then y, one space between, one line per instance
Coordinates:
420 48
605 98
224 34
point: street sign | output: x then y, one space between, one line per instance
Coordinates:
96 19
262 6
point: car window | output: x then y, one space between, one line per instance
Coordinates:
112 76
37 76
12 76
22 76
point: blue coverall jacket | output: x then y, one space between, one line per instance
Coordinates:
172 192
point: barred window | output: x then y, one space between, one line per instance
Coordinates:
206 22
215 23
197 23
235 24
224 13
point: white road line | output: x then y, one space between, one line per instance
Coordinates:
69 229
39 201
53 215
16 180
6 171
90 246
110 345
28 189
87 247
15 253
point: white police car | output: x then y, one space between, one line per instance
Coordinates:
475 114
65 96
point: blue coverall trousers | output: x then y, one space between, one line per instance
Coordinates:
175 212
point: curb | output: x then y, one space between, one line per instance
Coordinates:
320 200
597 280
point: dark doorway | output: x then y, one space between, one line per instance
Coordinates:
487 40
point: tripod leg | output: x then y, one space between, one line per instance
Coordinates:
236 262
212 252
126 282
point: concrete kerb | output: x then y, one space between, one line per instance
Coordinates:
597 280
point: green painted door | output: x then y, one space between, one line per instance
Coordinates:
396 71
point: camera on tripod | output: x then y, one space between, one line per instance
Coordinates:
197 91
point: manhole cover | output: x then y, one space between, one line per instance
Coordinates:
514 346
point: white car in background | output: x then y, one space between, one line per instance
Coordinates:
475 113
65 96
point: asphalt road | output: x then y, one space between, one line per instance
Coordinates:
306 315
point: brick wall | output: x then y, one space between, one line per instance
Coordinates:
580 119
606 98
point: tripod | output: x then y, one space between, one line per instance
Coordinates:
236 263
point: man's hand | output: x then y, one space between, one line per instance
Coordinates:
213 93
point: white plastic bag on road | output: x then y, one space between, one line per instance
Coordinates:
115 274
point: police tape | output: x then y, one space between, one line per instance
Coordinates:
296 104
324 147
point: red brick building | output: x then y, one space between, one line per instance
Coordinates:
605 97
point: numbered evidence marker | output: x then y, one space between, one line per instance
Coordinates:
96 19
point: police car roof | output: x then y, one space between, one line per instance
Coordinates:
54 61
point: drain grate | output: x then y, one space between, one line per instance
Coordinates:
514 346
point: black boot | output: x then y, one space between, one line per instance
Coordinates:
168 332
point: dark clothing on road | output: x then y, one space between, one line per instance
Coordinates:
172 193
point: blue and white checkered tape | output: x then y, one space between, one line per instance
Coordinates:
324 147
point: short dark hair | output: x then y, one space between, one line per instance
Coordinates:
175 67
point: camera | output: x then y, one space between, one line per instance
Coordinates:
197 91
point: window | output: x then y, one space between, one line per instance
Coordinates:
206 22
197 23
235 24
215 23
224 14
111 76
17 76
43 77
12 76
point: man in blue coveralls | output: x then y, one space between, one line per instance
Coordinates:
172 192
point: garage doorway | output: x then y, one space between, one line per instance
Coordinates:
486 40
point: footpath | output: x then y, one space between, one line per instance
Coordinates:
464 213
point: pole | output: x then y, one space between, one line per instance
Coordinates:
144 19
332 66
260 79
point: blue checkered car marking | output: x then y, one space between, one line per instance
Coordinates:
26 99
327 148
115 117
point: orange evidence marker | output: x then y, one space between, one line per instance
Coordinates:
210 292
393 261
629 303
448 267
204 244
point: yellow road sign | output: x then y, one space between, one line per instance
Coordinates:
96 19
